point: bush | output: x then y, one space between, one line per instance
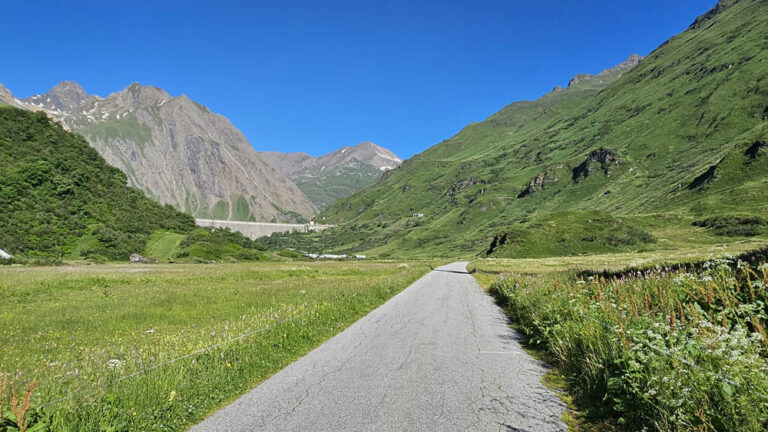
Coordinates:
735 226
291 253
219 244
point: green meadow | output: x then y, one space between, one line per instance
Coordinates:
158 347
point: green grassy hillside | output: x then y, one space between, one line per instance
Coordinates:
60 199
679 137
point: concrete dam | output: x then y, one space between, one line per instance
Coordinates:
254 230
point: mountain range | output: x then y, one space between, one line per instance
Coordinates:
180 153
649 153
177 151
338 174
626 157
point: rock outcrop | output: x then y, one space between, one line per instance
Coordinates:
603 158
755 149
610 73
538 183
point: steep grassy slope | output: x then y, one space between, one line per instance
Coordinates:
60 199
679 133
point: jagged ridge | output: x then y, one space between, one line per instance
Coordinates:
176 150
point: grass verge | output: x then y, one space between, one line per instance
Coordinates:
663 348
666 347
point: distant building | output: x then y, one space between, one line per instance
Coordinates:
418 215
5 255
358 256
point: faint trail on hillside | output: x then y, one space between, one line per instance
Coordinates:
438 356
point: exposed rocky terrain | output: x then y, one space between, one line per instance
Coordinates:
176 150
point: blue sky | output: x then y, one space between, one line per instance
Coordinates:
317 75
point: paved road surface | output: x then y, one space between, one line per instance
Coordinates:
439 356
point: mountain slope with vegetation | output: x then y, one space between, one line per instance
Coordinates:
338 174
60 199
176 150
658 142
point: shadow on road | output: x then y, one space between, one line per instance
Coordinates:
451 271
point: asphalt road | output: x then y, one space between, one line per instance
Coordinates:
439 356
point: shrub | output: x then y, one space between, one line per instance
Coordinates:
735 226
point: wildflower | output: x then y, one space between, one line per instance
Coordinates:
229 365
172 396
114 363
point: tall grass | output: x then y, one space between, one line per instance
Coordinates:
655 349
116 348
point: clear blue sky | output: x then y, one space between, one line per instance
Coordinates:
317 75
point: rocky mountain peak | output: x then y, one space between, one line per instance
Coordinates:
69 89
64 96
619 69
139 96
372 154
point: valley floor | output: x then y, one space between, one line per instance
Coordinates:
123 347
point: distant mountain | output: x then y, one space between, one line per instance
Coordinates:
64 98
650 146
176 150
338 174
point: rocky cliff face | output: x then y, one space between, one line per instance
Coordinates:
338 174
177 151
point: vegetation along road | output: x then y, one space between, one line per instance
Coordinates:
438 356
